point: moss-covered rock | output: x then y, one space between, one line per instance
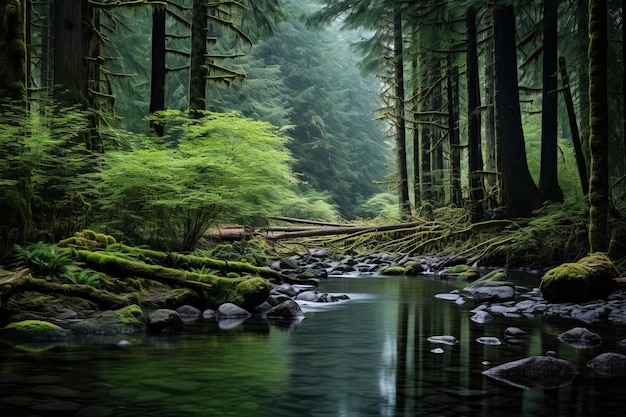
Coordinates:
461 272
126 320
164 321
251 292
590 278
35 331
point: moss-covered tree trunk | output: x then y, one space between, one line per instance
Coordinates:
403 177
489 118
473 118
456 195
518 191
598 125
12 51
198 66
549 189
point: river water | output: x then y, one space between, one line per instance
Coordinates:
368 356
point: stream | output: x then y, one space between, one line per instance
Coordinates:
367 356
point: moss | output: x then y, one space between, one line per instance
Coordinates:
89 240
32 326
34 331
588 279
252 292
392 270
463 272
496 276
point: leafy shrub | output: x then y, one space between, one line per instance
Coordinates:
218 169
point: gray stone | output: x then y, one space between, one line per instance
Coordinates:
286 310
538 372
188 312
608 365
580 338
232 310
164 321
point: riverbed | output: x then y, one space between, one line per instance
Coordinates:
366 356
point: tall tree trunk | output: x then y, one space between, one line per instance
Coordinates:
598 125
518 192
473 119
71 49
415 136
13 51
198 68
582 40
453 134
157 86
403 178
549 189
489 119
425 132
624 83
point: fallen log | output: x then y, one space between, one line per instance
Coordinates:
340 230
304 221
103 299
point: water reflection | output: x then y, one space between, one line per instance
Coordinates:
369 356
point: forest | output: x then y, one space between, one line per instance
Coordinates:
485 131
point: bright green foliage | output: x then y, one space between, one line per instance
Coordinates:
43 259
44 175
224 169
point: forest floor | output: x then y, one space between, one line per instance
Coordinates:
91 272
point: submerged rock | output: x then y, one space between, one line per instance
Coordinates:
489 340
538 372
580 338
444 340
609 365
481 317
515 335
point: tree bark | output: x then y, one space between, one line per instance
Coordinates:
518 192
473 119
598 127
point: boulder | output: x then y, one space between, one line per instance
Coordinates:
609 365
538 372
580 338
232 311
590 278
126 320
285 310
494 287
461 273
35 331
187 312
164 321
